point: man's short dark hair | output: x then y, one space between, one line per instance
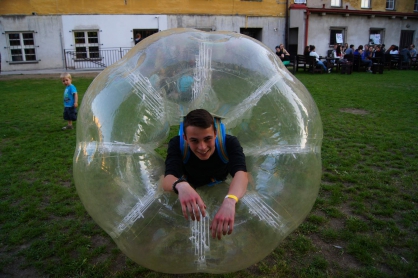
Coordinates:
311 47
199 118
351 45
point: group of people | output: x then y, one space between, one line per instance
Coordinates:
283 54
310 50
366 52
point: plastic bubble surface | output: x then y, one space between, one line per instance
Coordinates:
126 114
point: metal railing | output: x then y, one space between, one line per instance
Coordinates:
93 59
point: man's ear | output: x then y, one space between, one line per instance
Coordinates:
185 138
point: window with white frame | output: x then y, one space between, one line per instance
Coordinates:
335 3
390 4
300 1
87 44
21 46
365 4
416 6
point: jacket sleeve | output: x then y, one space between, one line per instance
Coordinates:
174 161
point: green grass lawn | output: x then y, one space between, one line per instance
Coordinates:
364 222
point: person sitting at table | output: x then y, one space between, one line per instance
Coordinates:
312 53
350 50
369 52
395 50
359 50
344 48
282 53
364 60
390 49
378 52
306 52
405 54
339 52
413 53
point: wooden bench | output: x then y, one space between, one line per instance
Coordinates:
301 62
313 65
290 64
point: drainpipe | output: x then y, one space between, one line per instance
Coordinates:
158 23
286 30
306 27
62 52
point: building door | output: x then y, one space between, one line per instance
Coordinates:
252 32
407 38
293 42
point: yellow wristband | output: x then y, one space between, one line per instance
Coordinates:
232 197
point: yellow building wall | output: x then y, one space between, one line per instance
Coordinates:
403 6
206 7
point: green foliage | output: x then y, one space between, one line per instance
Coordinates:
364 222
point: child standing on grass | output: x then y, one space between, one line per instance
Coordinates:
70 101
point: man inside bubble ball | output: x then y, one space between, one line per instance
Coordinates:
204 166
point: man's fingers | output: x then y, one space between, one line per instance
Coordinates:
219 230
225 228
190 209
231 226
196 211
202 207
184 211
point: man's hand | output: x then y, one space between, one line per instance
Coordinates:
190 201
223 223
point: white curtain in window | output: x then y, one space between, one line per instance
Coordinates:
365 3
336 3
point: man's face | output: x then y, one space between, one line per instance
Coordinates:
201 141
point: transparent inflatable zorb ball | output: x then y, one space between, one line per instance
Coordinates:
127 113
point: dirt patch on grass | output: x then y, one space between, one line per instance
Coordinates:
74 75
354 111
335 253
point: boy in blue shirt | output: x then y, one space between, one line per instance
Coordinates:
70 101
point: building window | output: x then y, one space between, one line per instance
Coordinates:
335 3
22 46
376 36
390 4
87 44
337 36
300 1
365 4
416 6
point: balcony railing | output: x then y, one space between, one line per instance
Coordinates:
93 59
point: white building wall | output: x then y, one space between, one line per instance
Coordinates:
273 28
55 33
357 29
297 20
115 30
47 41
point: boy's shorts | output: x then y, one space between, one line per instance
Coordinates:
70 114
